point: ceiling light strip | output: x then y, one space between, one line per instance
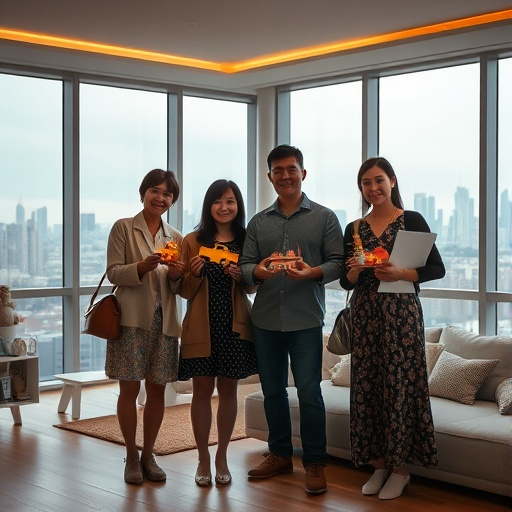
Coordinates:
105 49
305 53
268 60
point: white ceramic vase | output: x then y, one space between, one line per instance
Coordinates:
9 333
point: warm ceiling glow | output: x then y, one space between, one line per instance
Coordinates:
259 62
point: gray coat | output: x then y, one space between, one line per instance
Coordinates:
130 242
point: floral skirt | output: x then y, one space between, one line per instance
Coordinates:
139 354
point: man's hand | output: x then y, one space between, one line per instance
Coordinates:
302 271
262 273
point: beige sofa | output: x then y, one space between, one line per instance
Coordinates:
474 441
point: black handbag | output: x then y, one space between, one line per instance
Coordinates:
340 339
103 318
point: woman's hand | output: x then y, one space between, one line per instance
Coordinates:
147 265
388 272
196 266
354 269
175 269
234 271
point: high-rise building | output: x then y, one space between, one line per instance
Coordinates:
463 220
20 214
505 221
42 222
87 222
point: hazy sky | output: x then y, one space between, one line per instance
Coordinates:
429 130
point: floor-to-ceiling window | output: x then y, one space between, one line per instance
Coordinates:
214 147
123 135
325 124
31 207
72 157
428 124
429 131
504 193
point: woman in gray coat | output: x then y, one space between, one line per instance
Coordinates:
147 348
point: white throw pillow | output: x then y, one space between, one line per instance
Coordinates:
459 379
341 372
432 353
328 360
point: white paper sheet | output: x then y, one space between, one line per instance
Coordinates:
411 250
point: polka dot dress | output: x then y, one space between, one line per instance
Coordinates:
231 357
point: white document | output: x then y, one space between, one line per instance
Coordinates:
411 250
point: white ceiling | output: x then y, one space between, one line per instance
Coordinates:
230 30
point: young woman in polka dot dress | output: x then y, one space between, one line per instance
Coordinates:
216 342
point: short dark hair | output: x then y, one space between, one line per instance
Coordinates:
206 228
383 164
158 176
285 151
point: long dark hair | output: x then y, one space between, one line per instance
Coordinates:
383 164
206 228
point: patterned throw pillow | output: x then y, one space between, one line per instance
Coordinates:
504 396
341 372
459 379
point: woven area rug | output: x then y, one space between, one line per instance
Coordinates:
175 433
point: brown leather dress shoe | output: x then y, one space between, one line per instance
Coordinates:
315 479
271 466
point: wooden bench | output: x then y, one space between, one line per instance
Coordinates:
72 389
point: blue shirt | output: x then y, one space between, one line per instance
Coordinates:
282 304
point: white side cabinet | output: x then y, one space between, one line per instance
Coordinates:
28 368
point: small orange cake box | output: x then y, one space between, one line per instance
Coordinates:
278 260
375 257
170 252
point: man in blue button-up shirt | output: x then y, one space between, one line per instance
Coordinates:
288 313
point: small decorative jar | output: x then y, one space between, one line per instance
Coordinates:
31 345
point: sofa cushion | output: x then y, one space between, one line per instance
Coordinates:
341 372
459 379
474 346
504 396
432 353
433 334
472 441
